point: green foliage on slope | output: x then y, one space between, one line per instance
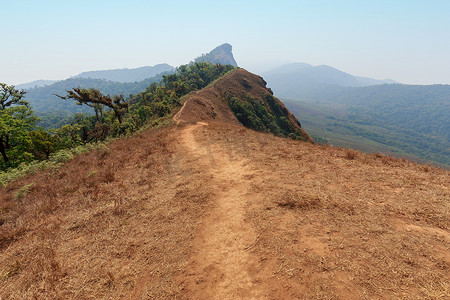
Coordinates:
158 100
423 109
267 115
366 130
43 99
396 118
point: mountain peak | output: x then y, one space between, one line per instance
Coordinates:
220 55
241 97
292 76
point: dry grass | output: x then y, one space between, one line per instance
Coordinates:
337 223
329 222
106 224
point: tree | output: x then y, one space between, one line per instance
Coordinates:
95 99
9 96
16 121
43 144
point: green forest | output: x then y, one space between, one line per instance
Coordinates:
23 141
44 101
376 128
253 113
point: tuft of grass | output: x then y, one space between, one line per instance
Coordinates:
92 173
5 275
351 154
299 201
21 193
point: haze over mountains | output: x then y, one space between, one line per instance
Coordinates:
288 79
220 55
35 84
117 75
128 75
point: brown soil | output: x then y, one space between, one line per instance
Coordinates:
212 210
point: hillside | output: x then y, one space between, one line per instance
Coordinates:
401 119
251 102
35 84
205 208
128 75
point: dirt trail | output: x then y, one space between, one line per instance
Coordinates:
217 211
220 265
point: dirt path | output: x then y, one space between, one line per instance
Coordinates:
221 212
220 266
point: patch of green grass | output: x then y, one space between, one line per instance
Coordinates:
21 193
92 173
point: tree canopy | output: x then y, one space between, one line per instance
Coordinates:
16 120
93 98
21 141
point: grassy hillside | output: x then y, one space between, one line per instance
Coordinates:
114 116
215 210
244 99
205 208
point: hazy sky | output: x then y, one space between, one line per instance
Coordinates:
406 40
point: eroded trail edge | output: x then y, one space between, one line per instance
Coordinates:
221 266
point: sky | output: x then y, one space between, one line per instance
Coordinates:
404 40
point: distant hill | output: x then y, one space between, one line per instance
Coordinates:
220 55
121 81
35 84
396 118
367 114
43 99
127 75
290 80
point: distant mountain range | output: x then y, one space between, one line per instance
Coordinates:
35 84
221 55
41 93
128 75
290 80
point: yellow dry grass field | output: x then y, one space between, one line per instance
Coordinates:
204 211
212 210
